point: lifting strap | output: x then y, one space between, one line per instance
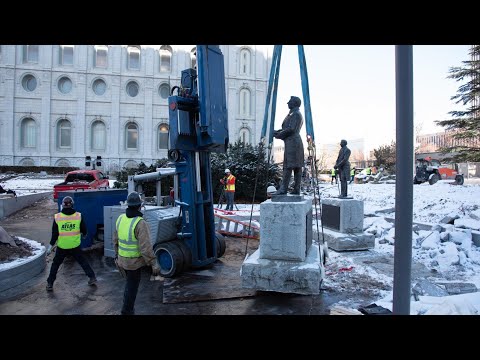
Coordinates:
272 94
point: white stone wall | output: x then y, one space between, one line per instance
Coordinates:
47 105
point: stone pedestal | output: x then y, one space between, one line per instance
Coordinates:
300 277
286 260
285 229
342 221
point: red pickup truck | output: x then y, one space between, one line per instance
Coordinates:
81 179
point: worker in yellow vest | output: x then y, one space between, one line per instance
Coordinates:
229 182
133 249
334 176
67 227
352 175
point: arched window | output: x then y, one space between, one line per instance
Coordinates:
193 58
133 58
27 162
244 136
63 163
66 55
101 56
98 135
245 61
165 58
64 134
131 136
30 53
28 131
163 136
244 102
130 164
164 91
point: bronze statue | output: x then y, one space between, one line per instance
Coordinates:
343 167
293 158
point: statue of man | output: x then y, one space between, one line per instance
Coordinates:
343 167
293 158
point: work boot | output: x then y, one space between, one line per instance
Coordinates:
92 281
49 287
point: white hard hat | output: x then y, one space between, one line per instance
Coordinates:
271 189
227 170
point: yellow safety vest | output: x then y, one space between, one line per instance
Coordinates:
68 230
369 171
333 172
352 172
230 187
127 242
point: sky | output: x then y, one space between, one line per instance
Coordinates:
453 257
352 89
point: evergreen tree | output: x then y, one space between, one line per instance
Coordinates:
242 160
465 124
385 156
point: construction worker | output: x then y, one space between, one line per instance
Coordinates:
271 190
334 176
352 175
66 229
133 249
229 182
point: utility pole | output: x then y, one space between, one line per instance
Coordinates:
404 184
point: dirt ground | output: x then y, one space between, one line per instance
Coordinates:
9 253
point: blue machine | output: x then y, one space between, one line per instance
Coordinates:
90 204
198 126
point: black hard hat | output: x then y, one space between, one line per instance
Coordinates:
133 199
67 202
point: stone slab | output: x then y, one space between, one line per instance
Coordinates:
347 242
287 198
300 277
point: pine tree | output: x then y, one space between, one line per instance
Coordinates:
465 124
385 156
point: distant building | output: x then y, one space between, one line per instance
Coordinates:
61 103
431 143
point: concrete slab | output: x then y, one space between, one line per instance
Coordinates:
347 242
300 277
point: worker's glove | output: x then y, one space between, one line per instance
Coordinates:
49 249
155 270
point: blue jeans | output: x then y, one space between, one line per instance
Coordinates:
229 195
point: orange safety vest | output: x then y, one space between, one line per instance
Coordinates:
230 184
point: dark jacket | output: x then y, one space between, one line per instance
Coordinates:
66 211
290 133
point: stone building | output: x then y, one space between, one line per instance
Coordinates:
61 103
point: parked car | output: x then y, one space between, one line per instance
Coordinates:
81 179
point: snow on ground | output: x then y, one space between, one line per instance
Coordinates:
38 249
27 184
450 253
